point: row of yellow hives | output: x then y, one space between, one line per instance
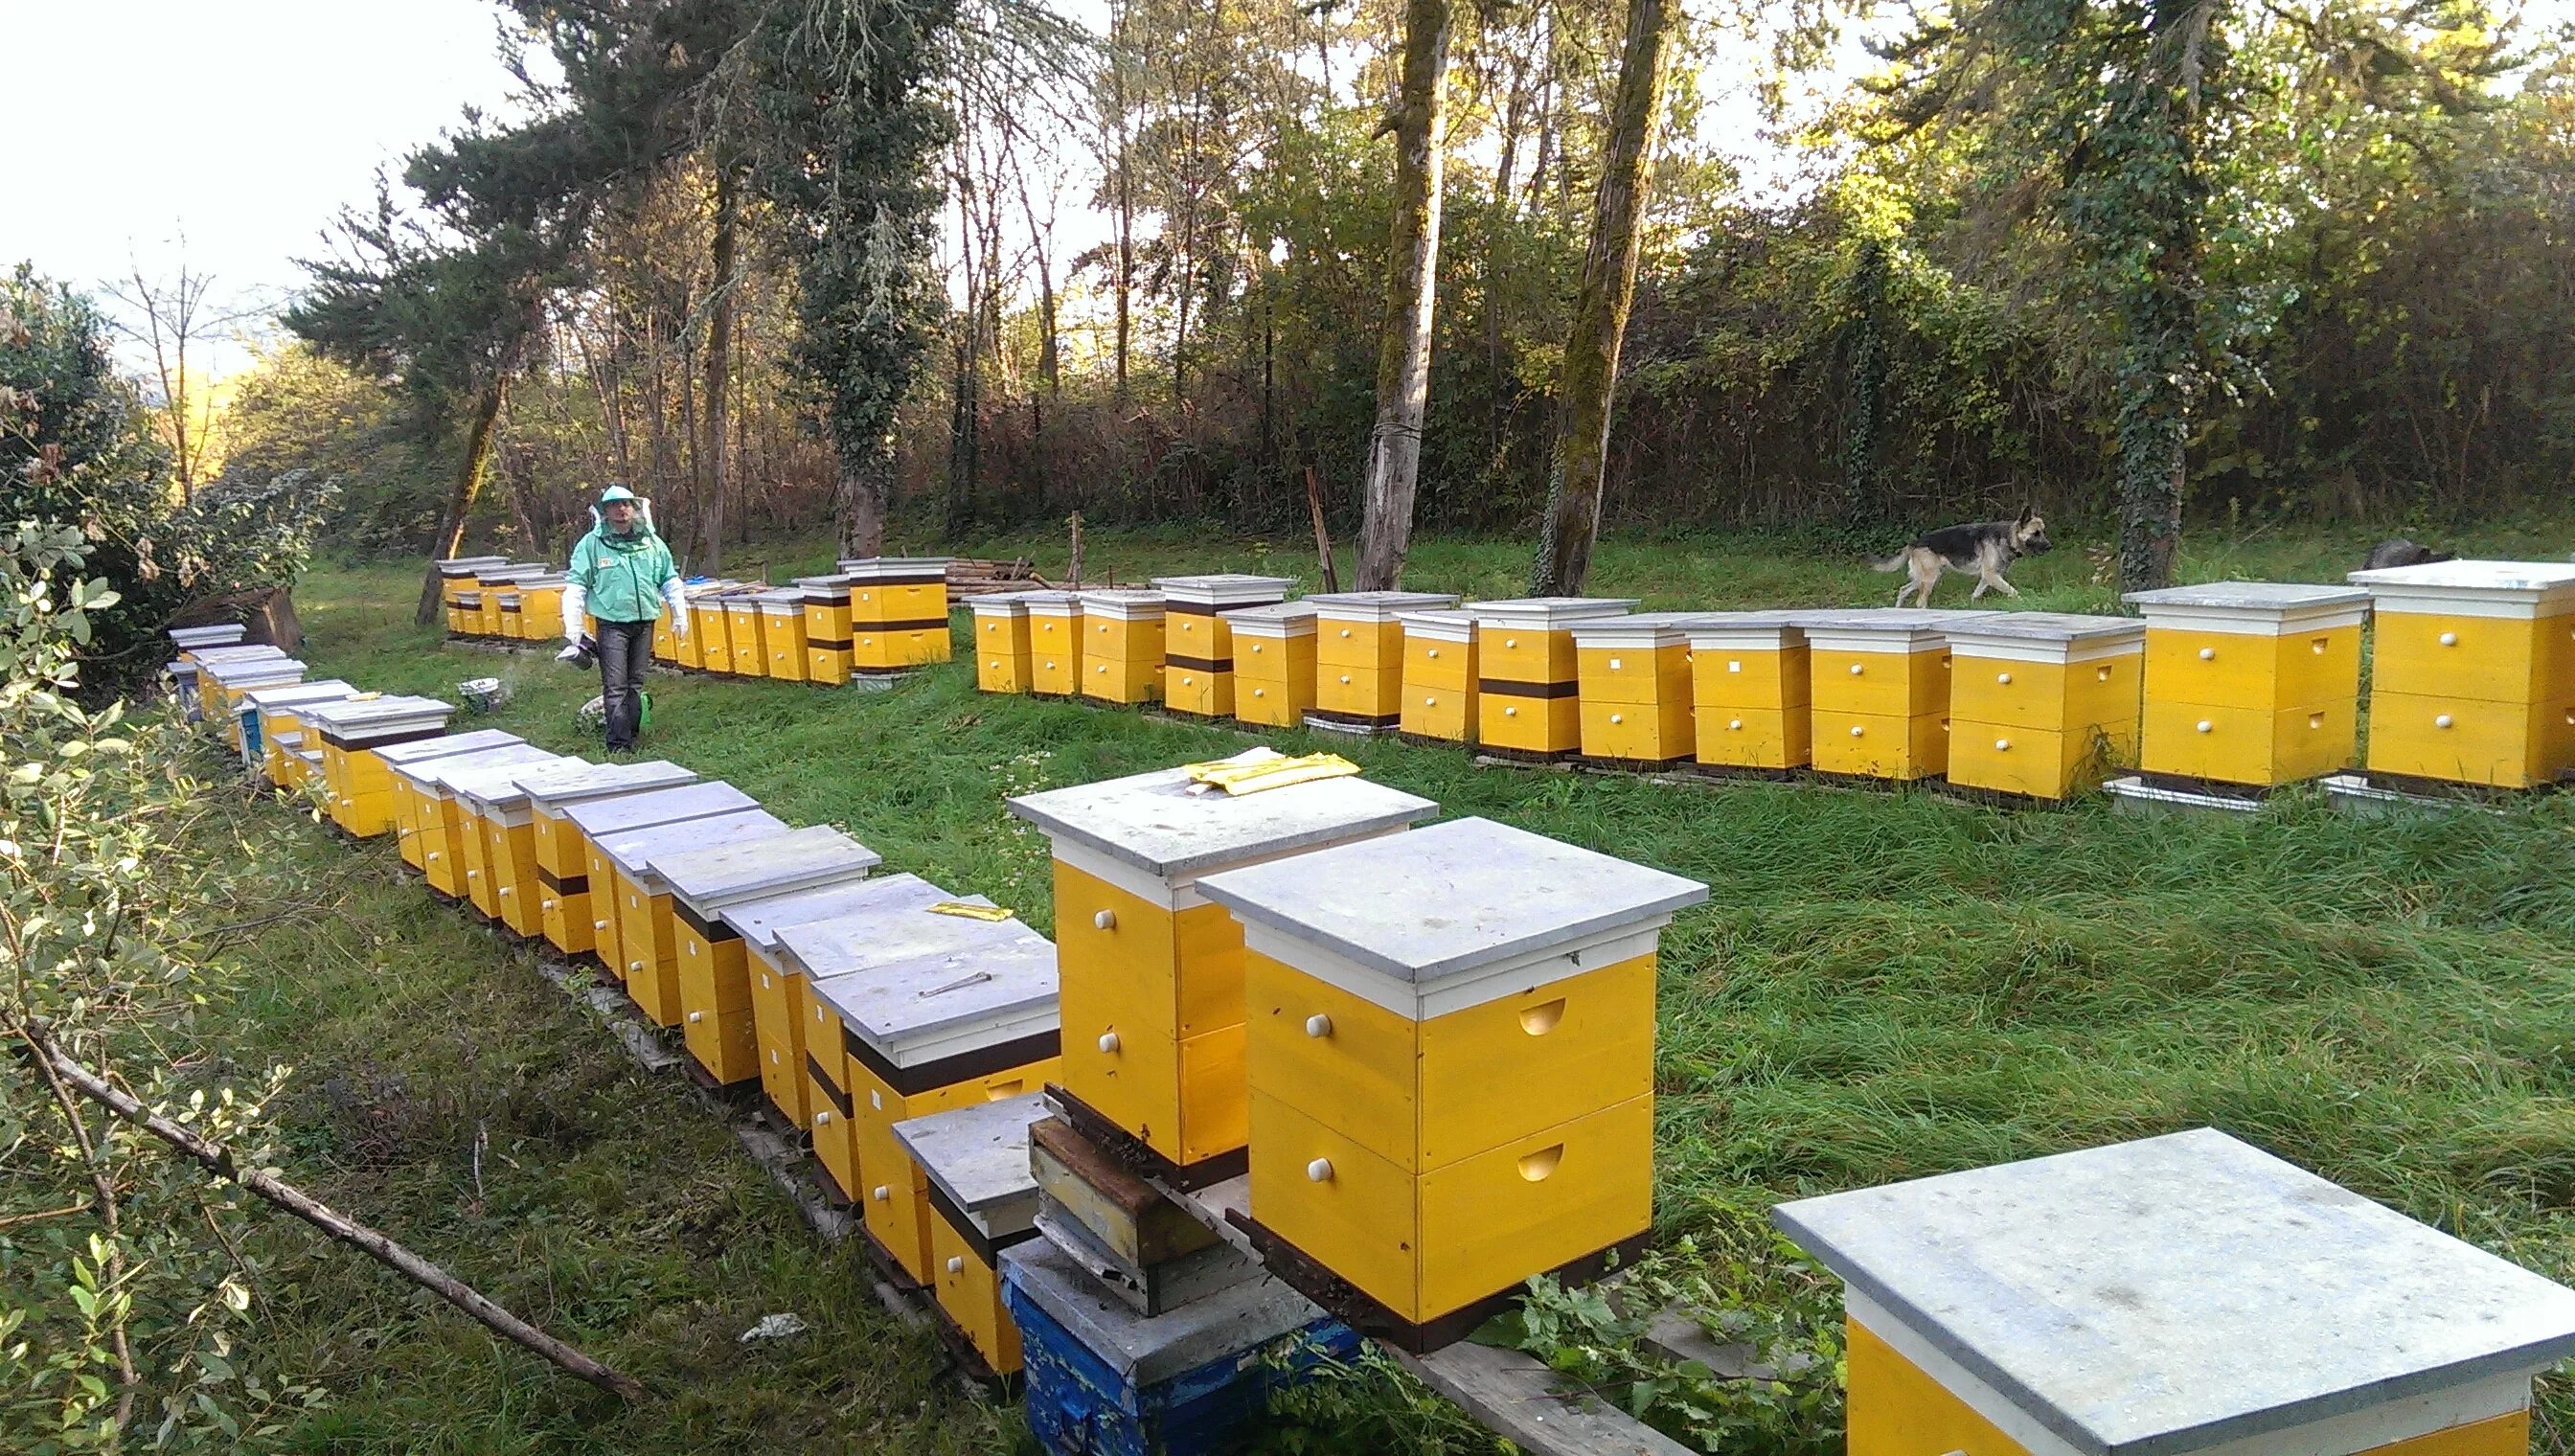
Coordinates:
2242 684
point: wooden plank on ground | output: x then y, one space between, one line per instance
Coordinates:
1513 1395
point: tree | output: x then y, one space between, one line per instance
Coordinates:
1608 289
1419 122
168 317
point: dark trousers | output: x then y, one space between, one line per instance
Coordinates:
625 650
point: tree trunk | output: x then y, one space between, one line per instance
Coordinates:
861 506
461 492
2161 368
718 364
1609 288
1403 348
1125 282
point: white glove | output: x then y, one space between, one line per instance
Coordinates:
575 602
678 597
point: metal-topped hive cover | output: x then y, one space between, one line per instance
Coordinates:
632 851
947 1002
2070 626
388 715
2175 1293
213 634
1000 603
1145 1350
287 694
710 877
1886 619
1278 618
575 780
1633 629
1122 601
877 568
2547 578
1450 899
251 670
759 922
1544 612
1156 824
657 806
245 652
421 751
2247 597
978 1155
886 934
1378 606
492 783
440 774
466 566
1224 588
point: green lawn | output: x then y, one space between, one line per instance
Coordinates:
1882 985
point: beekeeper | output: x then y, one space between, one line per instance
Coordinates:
623 575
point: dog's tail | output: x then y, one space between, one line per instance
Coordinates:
1893 562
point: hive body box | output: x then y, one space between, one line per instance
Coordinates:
416 820
563 869
2171 1296
357 786
2042 704
1000 625
594 820
541 608
454 851
2472 672
455 579
1359 658
1439 702
647 933
491 584
1274 664
1198 644
827 629
465 613
1635 677
1880 691
745 651
709 644
1749 690
2252 685
1528 676
1122 645
1152 971
187 671
492 799
897 613
273 729
717 1018
220 687
1055 644
828 957
1443 1105
782 633
976 1161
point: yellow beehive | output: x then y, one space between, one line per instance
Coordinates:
493 800
1274 664
2249 684
1000 625
187 674
494 582
1122 645
1446 1105
750 650
466 614
1152 972
782 633
1880 691
1198 645
666 643
1527 676
831 959
356 786
1055 644
541 609
975 1160
1635 677
408 816
710 644
563 869
437 822
513 607
279 731
2472 672
647 930
1749 690
717 1018
2043 703
1359 658
1439 677
2173 1296
593 821
827 629
221 686
898 613
456 578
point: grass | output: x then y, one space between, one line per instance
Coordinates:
1882 985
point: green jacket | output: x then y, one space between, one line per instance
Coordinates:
623 576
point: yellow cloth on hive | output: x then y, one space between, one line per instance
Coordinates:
971 912
1260 768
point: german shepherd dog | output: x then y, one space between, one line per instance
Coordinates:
1984 548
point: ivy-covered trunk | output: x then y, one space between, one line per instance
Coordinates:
470 471
1403 349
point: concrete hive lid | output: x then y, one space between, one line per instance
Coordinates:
979 1155
1152 822
885 568
1537 612
243 653
1450 899
1053 604
491 783
1000 603
352 717
599 817
928 1008
1144 1352
1635 630
1278 618
440 774
287 694
632 851
759 922
1883 629
466 566
556 785
1225 588
2481 575
253 671
887 933
2248 596
2176 1293
421 751
711 878
213 634
1746 629
1130 602
1377 605
1445 624
2045 627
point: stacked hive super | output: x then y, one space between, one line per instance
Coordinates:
2249 686
1198 654
1055 644
192 642
456 584
1528 676
1439 677
1359 658
716 1017
222 682
2042 704
1880 691
2472 676
563 903
266 728
1122 646
344 737
898 613
1751 708
1633 675
1274 664
827 629
999 624
435 829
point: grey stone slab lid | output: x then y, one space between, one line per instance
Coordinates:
213 634
490 783
256 670
1448 898
1148 1350
443 772
1534 613
2175 1293
884 935
1224 588
760 920
657 806
2045 627
574 779
243 652
377 717
1377 605
1050 599
448 746
1151 821
285 695
712 877
1278 618
978 1155
921 999
2249 595
632 851
2542 577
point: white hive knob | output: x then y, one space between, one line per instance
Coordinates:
2208 655
1856 670
1050 667
1434 652
1104 668
956 1264
634 968
1260 692
1430 702
599 924
1510 712
433 855
1617 718
1320 1171
2205 726
1734 723
1108 1044
1346 677
474 874
1510 641
1104 920
1187 682
880 1193
2002 745
547 904
1319 1024
822 1118
1613 665
696 1016
1256 647
2441 722
996 667
2449 638
1857 731
2003 678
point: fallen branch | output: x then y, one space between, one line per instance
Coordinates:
219 1160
